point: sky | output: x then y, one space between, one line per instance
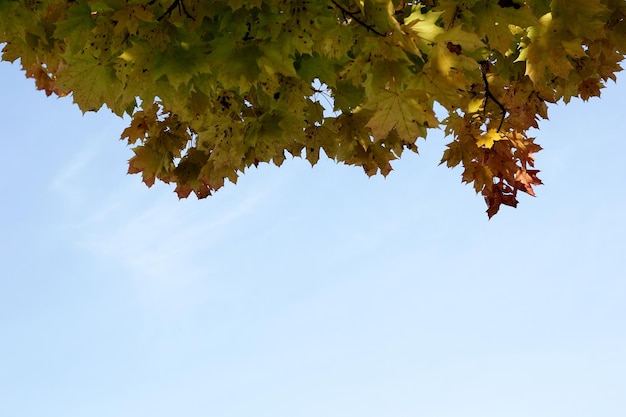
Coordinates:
303 292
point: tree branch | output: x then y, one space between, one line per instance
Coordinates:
353 16
181 10
489 95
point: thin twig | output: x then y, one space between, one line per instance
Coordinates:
352 15
489 95
181 9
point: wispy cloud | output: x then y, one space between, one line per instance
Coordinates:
66 182
164 246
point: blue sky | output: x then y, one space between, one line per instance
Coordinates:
307 291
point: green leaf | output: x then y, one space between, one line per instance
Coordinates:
405 112
91 82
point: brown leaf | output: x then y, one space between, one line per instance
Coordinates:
525 179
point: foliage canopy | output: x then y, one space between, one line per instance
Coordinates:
214 87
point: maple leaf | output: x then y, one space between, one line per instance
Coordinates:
91 82
129 18
188 175
488 139
501 23
404 112
589 87
525 179
43 80
150 163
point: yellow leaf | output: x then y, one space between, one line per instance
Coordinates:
488 139
475 105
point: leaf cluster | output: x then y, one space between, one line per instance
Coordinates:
213 88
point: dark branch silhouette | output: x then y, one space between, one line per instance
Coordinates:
353 16
489 95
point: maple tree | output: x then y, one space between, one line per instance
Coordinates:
215 87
